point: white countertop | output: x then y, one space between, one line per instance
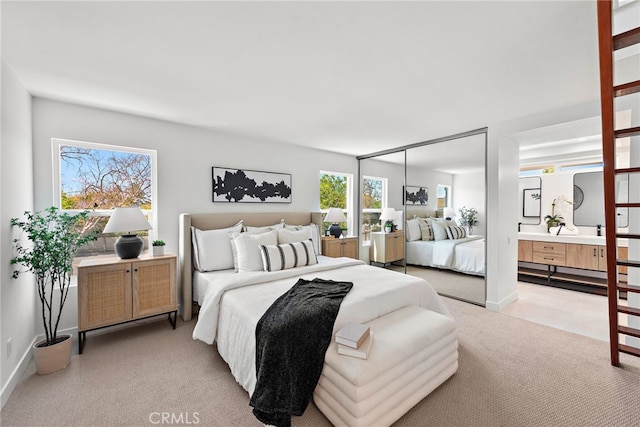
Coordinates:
583 239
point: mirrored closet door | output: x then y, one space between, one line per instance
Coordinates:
437 192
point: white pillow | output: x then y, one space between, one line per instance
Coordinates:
291 236
314 232
455 232
247 249
439 230
212 249
413 230
289 255
265 228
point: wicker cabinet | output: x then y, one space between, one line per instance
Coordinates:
113 290
386 247
345 246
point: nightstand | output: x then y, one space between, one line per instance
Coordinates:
386 247
344 246
113 291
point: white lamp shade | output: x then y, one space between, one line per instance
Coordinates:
388 214
448 212
335 215
127 220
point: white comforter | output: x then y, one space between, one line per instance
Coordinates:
233 306
465 255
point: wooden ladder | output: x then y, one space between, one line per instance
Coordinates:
608 44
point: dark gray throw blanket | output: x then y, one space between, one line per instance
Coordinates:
291 339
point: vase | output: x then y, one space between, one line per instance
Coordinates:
52 358
158 250
469 230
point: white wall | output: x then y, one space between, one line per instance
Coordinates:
469 191
185 155
17 296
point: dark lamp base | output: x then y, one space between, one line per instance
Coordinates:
335 230
129 246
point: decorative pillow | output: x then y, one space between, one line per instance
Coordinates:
439 230
413 230
248 249
455 232
426 231
288 255
212 249
314 232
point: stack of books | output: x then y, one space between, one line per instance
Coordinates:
354 339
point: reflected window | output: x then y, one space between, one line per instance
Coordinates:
444 196
374 199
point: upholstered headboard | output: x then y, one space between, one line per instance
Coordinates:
212 221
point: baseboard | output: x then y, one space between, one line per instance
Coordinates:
499 306
15 376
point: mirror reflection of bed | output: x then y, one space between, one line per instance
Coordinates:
452 171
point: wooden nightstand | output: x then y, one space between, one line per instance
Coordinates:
386 247
344 246
113 290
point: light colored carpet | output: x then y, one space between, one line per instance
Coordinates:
512 373
465 287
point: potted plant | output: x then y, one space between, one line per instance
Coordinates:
554 219
54 238
158 247
468 218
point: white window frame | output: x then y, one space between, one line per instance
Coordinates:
152 214
385 186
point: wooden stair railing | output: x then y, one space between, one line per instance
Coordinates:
608 44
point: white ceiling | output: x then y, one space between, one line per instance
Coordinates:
351 77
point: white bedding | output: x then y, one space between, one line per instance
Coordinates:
464 255
233 304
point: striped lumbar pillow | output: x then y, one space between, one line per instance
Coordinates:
455 232
288 255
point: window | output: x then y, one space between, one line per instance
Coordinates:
336 192
374 199
100 178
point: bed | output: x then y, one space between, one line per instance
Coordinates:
432 245
231 303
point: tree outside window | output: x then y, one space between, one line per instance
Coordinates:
334 193
100 178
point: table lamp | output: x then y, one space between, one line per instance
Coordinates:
127 221
335 216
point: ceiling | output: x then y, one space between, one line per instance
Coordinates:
352 77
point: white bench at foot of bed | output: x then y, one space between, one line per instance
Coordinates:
413 351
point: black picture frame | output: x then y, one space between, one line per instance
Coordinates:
250 186
415 195
531 203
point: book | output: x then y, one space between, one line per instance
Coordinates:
352 334
362 352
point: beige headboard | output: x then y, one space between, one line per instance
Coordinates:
212 221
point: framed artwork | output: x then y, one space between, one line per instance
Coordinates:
249 186
416 195
531 202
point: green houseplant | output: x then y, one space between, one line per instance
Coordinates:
468 218
54 238
158 247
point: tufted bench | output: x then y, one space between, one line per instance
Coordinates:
414 351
